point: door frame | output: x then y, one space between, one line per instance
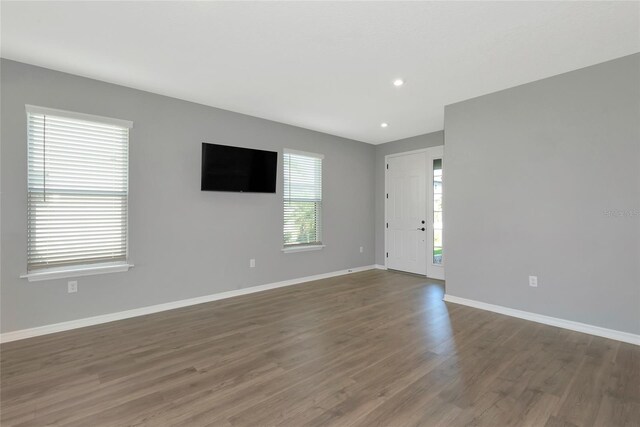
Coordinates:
428 201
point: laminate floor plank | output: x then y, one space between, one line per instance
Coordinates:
375 348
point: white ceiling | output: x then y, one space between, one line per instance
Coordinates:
326 66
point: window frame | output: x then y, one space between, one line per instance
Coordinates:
78 270
304 247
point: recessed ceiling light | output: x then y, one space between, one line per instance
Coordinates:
398 82
384 125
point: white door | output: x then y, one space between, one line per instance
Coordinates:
435 223
406 213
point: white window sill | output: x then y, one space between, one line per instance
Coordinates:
302 248
61 273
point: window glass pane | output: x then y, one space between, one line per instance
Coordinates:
437 255
437 211
437 187
437 202
302 199
437 220
77 191
437 238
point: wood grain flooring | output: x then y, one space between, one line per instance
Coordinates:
374 348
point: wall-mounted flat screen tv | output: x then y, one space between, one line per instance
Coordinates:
226 168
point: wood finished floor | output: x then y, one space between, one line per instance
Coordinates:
368 349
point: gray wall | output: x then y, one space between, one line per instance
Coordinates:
533 174
184 242
400 146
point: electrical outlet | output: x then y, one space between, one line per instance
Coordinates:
252 263
533 281
72 286
361 249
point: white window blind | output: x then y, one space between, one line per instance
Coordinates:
77 189
302 198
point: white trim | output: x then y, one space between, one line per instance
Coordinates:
105 318
385 254
80 116
404 153
380 267
301 248
302 153
85 270
547 320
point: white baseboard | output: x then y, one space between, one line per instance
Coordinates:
547 320
379 267
104 318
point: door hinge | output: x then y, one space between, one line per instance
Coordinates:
387 254
387 225
387 166
387 195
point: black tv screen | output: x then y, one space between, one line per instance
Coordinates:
226 168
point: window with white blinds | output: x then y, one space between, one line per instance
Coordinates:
302 198
77 189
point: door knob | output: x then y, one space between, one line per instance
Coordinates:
421 229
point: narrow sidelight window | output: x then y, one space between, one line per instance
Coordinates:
437 211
